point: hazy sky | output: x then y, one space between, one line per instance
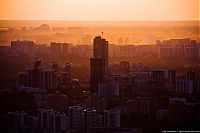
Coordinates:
99 10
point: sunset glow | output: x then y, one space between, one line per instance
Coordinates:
99 10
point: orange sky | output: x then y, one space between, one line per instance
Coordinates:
99 10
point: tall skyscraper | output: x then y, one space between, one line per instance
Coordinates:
97 73
100 49
99 63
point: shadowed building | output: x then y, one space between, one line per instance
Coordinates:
97 73
100 49
99 62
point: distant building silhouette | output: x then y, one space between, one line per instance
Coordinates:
39 76
99 62
23 48
100 49
97 73
55 50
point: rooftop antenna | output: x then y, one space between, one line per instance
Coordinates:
102 34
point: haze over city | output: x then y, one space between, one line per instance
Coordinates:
100 10
99 66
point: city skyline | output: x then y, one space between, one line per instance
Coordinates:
104 10
99 66
111 89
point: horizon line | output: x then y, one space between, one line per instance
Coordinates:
97 20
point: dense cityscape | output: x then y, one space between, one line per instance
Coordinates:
113 95
100 66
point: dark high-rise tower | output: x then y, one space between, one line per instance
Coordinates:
97 73
100 49
99 63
